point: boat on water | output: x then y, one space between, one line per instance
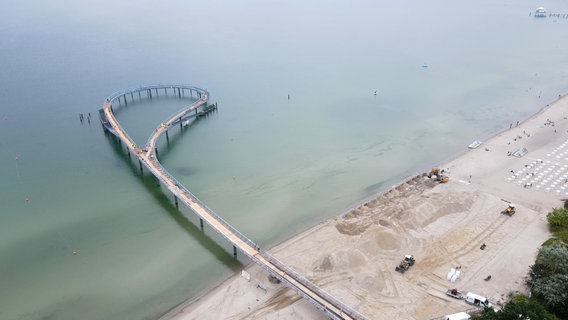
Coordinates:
185 122
540 12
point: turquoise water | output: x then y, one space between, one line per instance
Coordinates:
268 165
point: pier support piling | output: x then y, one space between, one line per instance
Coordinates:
180 123
167 137
201 224
176 201
156 152
234 251
141 170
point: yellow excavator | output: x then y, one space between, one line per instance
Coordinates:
439 175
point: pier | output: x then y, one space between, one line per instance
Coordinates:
147 155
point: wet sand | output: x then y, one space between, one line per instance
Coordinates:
353 256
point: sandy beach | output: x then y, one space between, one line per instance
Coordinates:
353 256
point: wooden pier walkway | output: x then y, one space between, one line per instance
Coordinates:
147 157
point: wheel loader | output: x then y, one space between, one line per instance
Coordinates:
406 263
510 211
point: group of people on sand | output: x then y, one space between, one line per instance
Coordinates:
518 137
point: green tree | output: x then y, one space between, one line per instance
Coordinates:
558 219
549 278
520 307
554 291
551 260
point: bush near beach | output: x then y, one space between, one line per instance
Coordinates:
558 222
549 278
520 307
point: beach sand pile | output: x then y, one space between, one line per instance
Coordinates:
353 256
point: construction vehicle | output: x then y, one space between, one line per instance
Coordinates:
438 174
510 211
406 263
454 293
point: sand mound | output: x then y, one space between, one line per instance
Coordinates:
387 239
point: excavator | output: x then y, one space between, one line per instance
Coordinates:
438 174
406 263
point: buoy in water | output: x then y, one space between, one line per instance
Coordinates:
27 199
74 253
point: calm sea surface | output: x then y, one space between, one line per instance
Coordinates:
445 72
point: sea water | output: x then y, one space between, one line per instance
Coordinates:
299 136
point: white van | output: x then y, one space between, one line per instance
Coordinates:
477 300
458 316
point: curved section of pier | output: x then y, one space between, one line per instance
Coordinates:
147 157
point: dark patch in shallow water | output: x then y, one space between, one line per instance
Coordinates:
185 171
